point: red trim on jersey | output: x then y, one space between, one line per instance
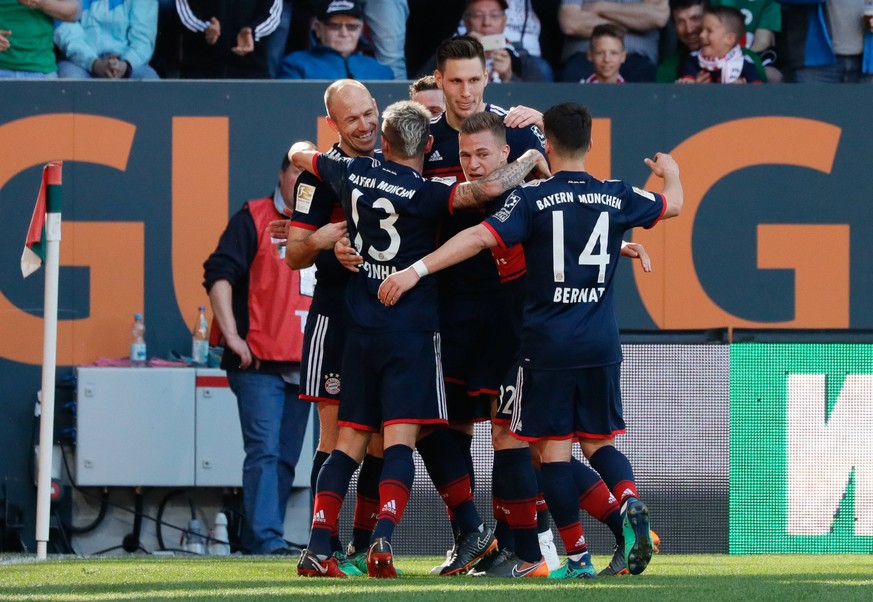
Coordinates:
304 226
470 421
496 235
313 399
535 439
416 421
357 427
211 381
452 169
663 210
496 420
315 165
454 381
599 435
483 391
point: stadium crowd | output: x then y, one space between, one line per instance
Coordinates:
525 40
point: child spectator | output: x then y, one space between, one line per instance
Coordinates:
112 39
336 55
720 58
607 54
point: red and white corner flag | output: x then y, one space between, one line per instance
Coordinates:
46 221
43 245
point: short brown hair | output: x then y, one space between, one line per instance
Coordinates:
484 121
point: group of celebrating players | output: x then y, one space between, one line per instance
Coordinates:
518 326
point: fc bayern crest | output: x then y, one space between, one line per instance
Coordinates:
332 384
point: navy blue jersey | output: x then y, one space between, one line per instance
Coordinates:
316 205
443 162
571 226
393 218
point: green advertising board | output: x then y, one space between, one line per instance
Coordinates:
801 448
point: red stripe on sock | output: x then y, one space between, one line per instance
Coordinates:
572 536
457 492
518 514
366 511
598 501
393 497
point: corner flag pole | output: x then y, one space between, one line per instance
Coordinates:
47 239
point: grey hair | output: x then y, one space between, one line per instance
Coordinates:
406 126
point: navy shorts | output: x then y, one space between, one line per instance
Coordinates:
564 404
480 344
392 377
323 342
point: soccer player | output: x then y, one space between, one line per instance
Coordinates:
317 223
478 348
426 91
568 375
393 377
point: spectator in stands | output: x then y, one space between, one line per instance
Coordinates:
426 91
337 53
643 20
485 20
522 30
26 29
688 23
386 23
763 20
278 41
824 42
720 59
607 54
226 39
112 39
426 29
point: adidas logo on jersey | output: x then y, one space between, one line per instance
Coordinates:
318 517
390 507
436 156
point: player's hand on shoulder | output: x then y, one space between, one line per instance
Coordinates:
522 116
347 255
326 237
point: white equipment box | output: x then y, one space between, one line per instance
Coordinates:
163 427
135 427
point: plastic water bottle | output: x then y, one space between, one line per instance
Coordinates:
137 342
200 339
218 543
194 538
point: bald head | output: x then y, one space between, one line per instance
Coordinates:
353 115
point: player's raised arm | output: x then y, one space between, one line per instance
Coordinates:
471 194
304 160
666 168
461 246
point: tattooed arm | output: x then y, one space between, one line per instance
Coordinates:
471 194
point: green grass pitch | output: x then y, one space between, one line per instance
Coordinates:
669 577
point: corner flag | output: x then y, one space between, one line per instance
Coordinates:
49 201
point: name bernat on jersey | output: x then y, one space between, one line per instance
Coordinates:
590 198
565 294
